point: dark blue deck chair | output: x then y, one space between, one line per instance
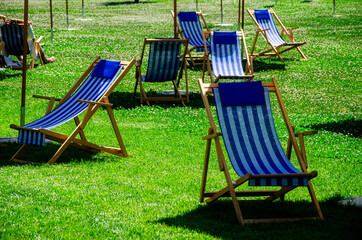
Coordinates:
166 63
226 56
254 150
189 27
12 34
88 94
266 26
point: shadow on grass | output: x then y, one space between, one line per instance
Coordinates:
125 3
125 100
42 154
350 127
263 66
9 74
219 220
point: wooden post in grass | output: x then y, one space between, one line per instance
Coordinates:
25 47
66 9
82 8
334 7
174 19
51 20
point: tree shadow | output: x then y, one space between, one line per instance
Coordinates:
263 66
219 220
125 100
125 3
42 154
350 127
9 74
307 1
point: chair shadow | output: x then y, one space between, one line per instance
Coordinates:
263 66
107 4
219 220
350 127
125 100
9 74
42 154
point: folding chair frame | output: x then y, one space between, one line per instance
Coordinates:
183 68
189 50
207 62
275 50
81 143
229 190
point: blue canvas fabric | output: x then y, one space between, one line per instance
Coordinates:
13 36
105 69
265 21
225 37
226 58
92 89
242 93
192 29
163 61
253 145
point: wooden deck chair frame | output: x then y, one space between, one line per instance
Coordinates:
249 72
190 49
92 108
229 190
36 45
183 70
275 50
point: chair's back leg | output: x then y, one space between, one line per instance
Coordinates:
315 201
301 53
116 131
20 151
206 167
81 132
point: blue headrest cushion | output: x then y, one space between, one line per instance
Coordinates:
225 38
241 93
188 16
261 14
106 69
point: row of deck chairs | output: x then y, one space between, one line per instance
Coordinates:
243 110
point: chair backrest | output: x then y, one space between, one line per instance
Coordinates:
13 36
265 21
93 88
226 56
249 134
191 28
163 60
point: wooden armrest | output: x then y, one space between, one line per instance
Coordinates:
214 135
306 133
92 102
46 98
264 30
292 28
39 39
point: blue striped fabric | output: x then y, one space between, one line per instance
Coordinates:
226 59
265 23
92 89
253 145
163 61
13 36
193 30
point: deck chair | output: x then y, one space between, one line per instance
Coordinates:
266 26
254 150
226 56
165 64
88 94
12 34
189 26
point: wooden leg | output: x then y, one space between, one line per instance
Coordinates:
81 133
280 193
206 167
301 53
314 200
116 131
20 151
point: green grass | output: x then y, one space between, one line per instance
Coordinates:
154 193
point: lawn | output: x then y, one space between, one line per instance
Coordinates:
153 194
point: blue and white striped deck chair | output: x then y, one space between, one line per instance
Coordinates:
12 34
251 141
189 27
166 63
266 26
226 56
89 93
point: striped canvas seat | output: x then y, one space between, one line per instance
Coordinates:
163 61
88 94
191 28
248 131
265 20
91 90
252 142
166 63
13 36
